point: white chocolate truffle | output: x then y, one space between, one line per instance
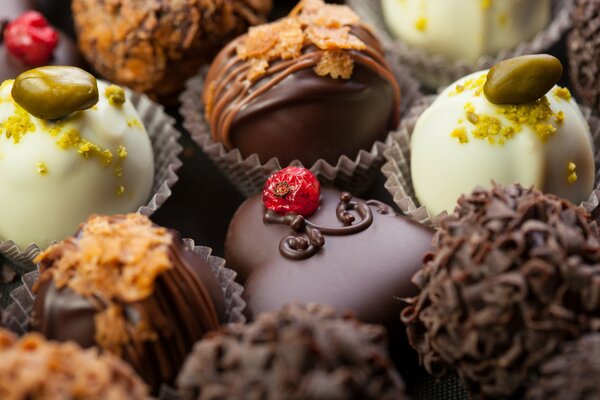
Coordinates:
463 141
54 174
465 29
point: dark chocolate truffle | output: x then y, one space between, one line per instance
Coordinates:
66 52
364 266
312 85
572 374
513 274
35 369
153 46
130 288
300 352
584 51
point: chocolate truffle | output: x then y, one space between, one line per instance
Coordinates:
130 288
584 51
513 274
35 369
55 173
153 46
350 254
65 53
465 29
572 374
299 352
464 140
309 86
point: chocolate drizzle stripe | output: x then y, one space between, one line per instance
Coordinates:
231 93
308 239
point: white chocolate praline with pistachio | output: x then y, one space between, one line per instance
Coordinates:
54 174
465 29
463 141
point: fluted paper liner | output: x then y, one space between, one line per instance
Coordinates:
398 173
17 315
166 150
436 71
248 174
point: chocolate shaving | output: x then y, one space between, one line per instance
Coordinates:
572 374
513 274
33 368
299 352
584 51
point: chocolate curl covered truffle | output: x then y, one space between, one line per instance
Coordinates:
34 369
584 51
300 352
513 274
312 85
572 374
153 46
132 289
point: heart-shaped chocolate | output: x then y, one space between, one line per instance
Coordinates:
364 266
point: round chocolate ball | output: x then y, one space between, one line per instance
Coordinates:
314 85
584 51
153 46
512 275
130 288
299 352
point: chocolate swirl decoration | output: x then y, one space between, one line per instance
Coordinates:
299 247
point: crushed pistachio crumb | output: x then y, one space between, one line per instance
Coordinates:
17 125
118 171
562 93
115 95
471 84
486 4
134 123
460 134
559 117
122 151
42 169
421 24
572 178
571 166
120 190
571 173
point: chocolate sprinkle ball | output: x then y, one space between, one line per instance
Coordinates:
299 352
131 288
34 369
153 46
573 374
584 51
513 274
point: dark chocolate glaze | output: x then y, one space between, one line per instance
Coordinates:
304 116
66 52
366 272
187 302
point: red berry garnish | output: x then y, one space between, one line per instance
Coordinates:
30 38
292 190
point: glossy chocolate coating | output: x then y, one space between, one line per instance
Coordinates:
306 116
366 272
176 312
66 52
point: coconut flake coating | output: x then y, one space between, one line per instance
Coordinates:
299 352
513 274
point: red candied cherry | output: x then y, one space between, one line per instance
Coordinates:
292 190
30 38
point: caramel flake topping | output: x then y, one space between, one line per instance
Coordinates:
312 22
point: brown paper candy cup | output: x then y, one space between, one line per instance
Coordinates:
436 71
166 149
398 173
17 315
248 174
